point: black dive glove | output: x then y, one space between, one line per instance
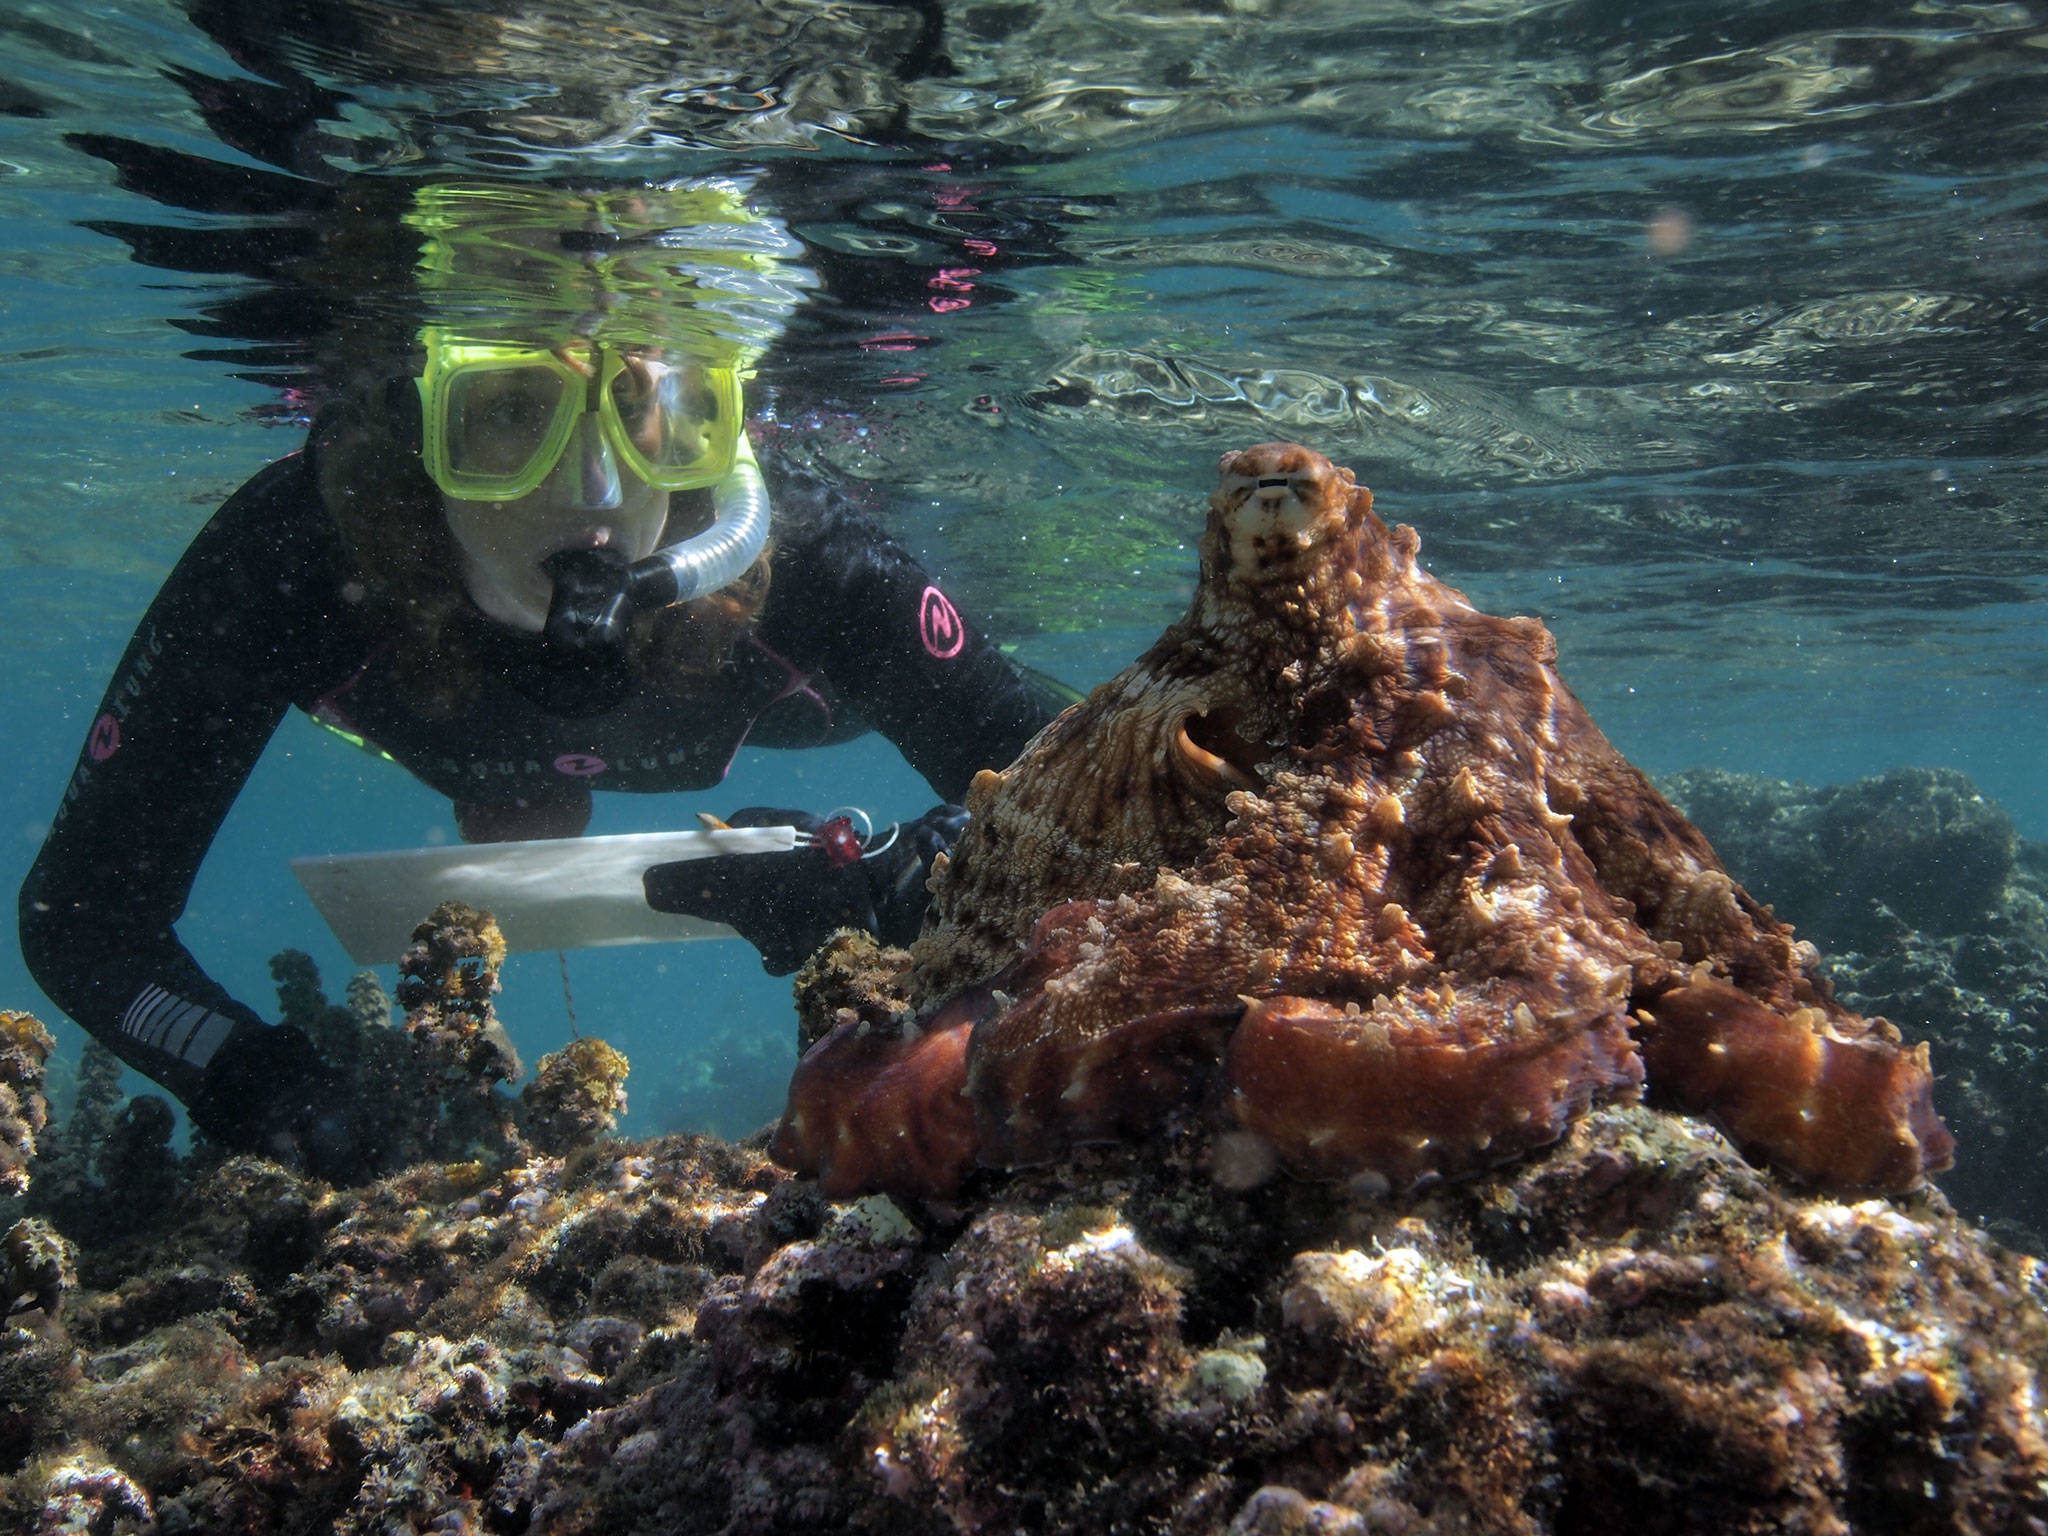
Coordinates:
267 1091
786 904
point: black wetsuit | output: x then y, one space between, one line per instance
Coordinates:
256 617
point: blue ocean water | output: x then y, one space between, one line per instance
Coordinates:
1711 334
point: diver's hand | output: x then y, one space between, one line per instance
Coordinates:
267 1091
787 904
899 870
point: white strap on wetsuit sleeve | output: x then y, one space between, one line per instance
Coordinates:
166 1022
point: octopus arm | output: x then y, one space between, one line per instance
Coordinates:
872 1109
1039 1090
1403 1092
1644 851
1848 1113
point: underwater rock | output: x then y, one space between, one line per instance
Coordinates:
88 1500
1849 863
25 1048
36 1368
1630 1329
1341 866
1969 966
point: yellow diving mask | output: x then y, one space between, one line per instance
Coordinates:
497 418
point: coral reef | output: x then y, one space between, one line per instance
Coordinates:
1933 912
25 1047
445 984
577 1095
432 1089
1340 865
108 1178
35 1267
1630 1329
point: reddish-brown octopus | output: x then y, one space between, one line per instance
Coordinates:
1343 866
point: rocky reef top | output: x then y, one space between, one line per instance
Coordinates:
1632 1329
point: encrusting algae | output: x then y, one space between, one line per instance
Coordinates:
577 1095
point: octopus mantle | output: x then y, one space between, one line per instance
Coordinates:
1341 865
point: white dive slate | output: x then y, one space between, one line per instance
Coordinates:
560 893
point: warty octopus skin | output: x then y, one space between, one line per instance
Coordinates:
1342 865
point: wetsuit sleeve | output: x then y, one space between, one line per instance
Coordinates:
217 659
850 602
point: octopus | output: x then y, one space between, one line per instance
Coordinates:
1341 870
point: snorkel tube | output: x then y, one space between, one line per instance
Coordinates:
597 593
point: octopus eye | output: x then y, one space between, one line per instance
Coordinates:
1276 482
1210 746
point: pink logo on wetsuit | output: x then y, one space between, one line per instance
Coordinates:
105 739
580 765
939 625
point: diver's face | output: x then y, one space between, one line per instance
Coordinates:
503 543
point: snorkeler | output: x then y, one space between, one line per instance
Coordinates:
534 560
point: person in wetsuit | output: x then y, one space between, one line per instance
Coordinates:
543 564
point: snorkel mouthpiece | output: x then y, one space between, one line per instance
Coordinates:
592 606
597 593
